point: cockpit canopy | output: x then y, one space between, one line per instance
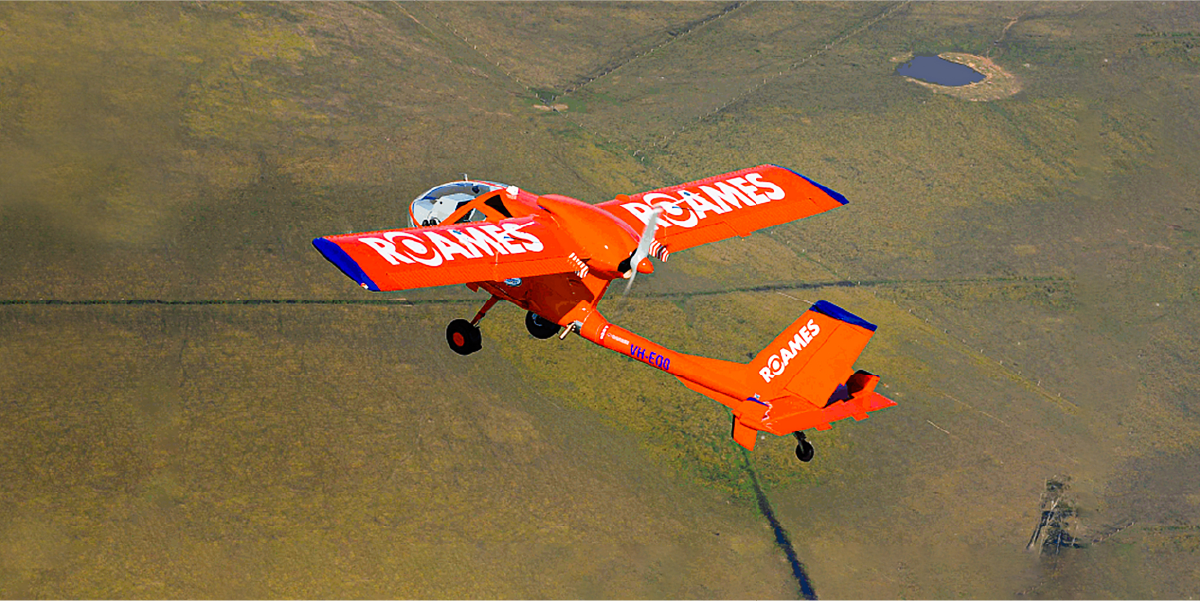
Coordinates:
439 202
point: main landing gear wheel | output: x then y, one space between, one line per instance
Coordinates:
804 449
539 327
463 337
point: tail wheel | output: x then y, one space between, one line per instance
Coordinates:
463 337
539 327
805 451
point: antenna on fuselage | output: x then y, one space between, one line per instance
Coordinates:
465 177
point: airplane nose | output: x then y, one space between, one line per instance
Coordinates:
607 242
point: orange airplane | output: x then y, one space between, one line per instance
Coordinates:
555 257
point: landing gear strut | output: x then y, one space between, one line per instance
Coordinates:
463 336
804 449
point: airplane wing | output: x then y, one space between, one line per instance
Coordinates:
723 206
450 254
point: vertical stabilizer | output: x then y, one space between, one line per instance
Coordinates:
813 356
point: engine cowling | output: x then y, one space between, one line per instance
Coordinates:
604 241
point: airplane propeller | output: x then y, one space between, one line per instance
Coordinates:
643 247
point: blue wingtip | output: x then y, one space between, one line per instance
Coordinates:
833 194
840 314
338 257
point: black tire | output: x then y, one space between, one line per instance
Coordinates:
805 451
539 327
463 337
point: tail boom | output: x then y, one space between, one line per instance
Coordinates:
699 373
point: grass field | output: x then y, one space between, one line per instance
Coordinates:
1030 262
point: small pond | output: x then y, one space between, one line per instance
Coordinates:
935 69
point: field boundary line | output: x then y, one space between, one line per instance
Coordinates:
729 8
771 78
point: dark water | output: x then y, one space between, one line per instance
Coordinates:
934 69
